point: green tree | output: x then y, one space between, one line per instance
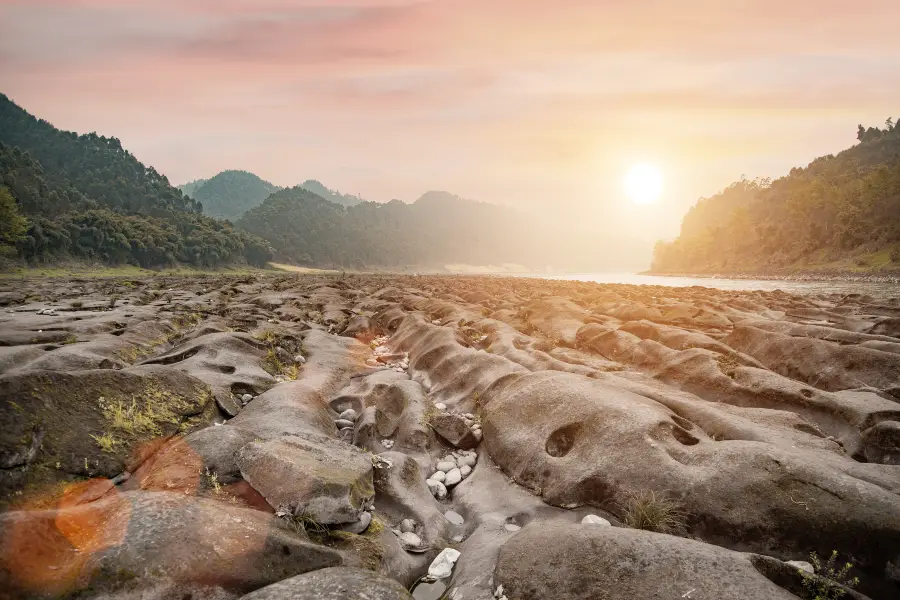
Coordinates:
13 226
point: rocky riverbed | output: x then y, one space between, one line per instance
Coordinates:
305 437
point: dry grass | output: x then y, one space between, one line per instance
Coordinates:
645 510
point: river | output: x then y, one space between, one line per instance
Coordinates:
878 290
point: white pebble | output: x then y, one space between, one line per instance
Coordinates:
453 477
594 520
438 476
465 471
440 406
446 466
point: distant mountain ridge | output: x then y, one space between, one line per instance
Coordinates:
229 194
840 213
331 195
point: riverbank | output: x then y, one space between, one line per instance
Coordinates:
838 276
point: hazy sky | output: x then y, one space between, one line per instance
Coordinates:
534 103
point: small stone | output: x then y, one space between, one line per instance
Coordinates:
410 540
442 566
441 492
440 406
408 526
121 478
467 460
397 532
469 416
594 520
454 517
342 423
246 397
446 466
465 471
433 485
439 476
348 415
802 565
300 359
388 444
511 527
453 477
457 538
360 526
477 435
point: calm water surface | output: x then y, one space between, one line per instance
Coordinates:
881 291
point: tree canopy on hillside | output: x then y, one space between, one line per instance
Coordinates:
837 207
85 196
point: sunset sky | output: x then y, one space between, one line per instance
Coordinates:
533 103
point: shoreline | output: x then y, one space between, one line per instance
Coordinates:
844 277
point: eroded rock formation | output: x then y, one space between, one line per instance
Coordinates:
212 436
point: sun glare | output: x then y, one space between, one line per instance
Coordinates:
643 184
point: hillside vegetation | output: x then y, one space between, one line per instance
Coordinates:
839 213
84 196
230 194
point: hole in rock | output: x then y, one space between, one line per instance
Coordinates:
683 422
174 358
286 550
684 437
561 441
239 389
806 393
224 369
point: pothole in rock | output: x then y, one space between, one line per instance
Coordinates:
429 590
561 441
683 437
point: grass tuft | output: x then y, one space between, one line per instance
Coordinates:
645 510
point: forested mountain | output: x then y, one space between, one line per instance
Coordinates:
85 196
436 230
331 195
840 212
229 194
190 187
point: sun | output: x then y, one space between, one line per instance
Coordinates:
643 183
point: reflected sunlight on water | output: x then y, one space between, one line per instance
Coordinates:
874 289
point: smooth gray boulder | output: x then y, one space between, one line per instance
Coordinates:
564 561
337 583
150 545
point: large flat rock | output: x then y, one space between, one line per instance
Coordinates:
317 477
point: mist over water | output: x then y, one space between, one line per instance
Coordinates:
879 290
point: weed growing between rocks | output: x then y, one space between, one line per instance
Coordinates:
106 442
280 356
645 510
830 578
